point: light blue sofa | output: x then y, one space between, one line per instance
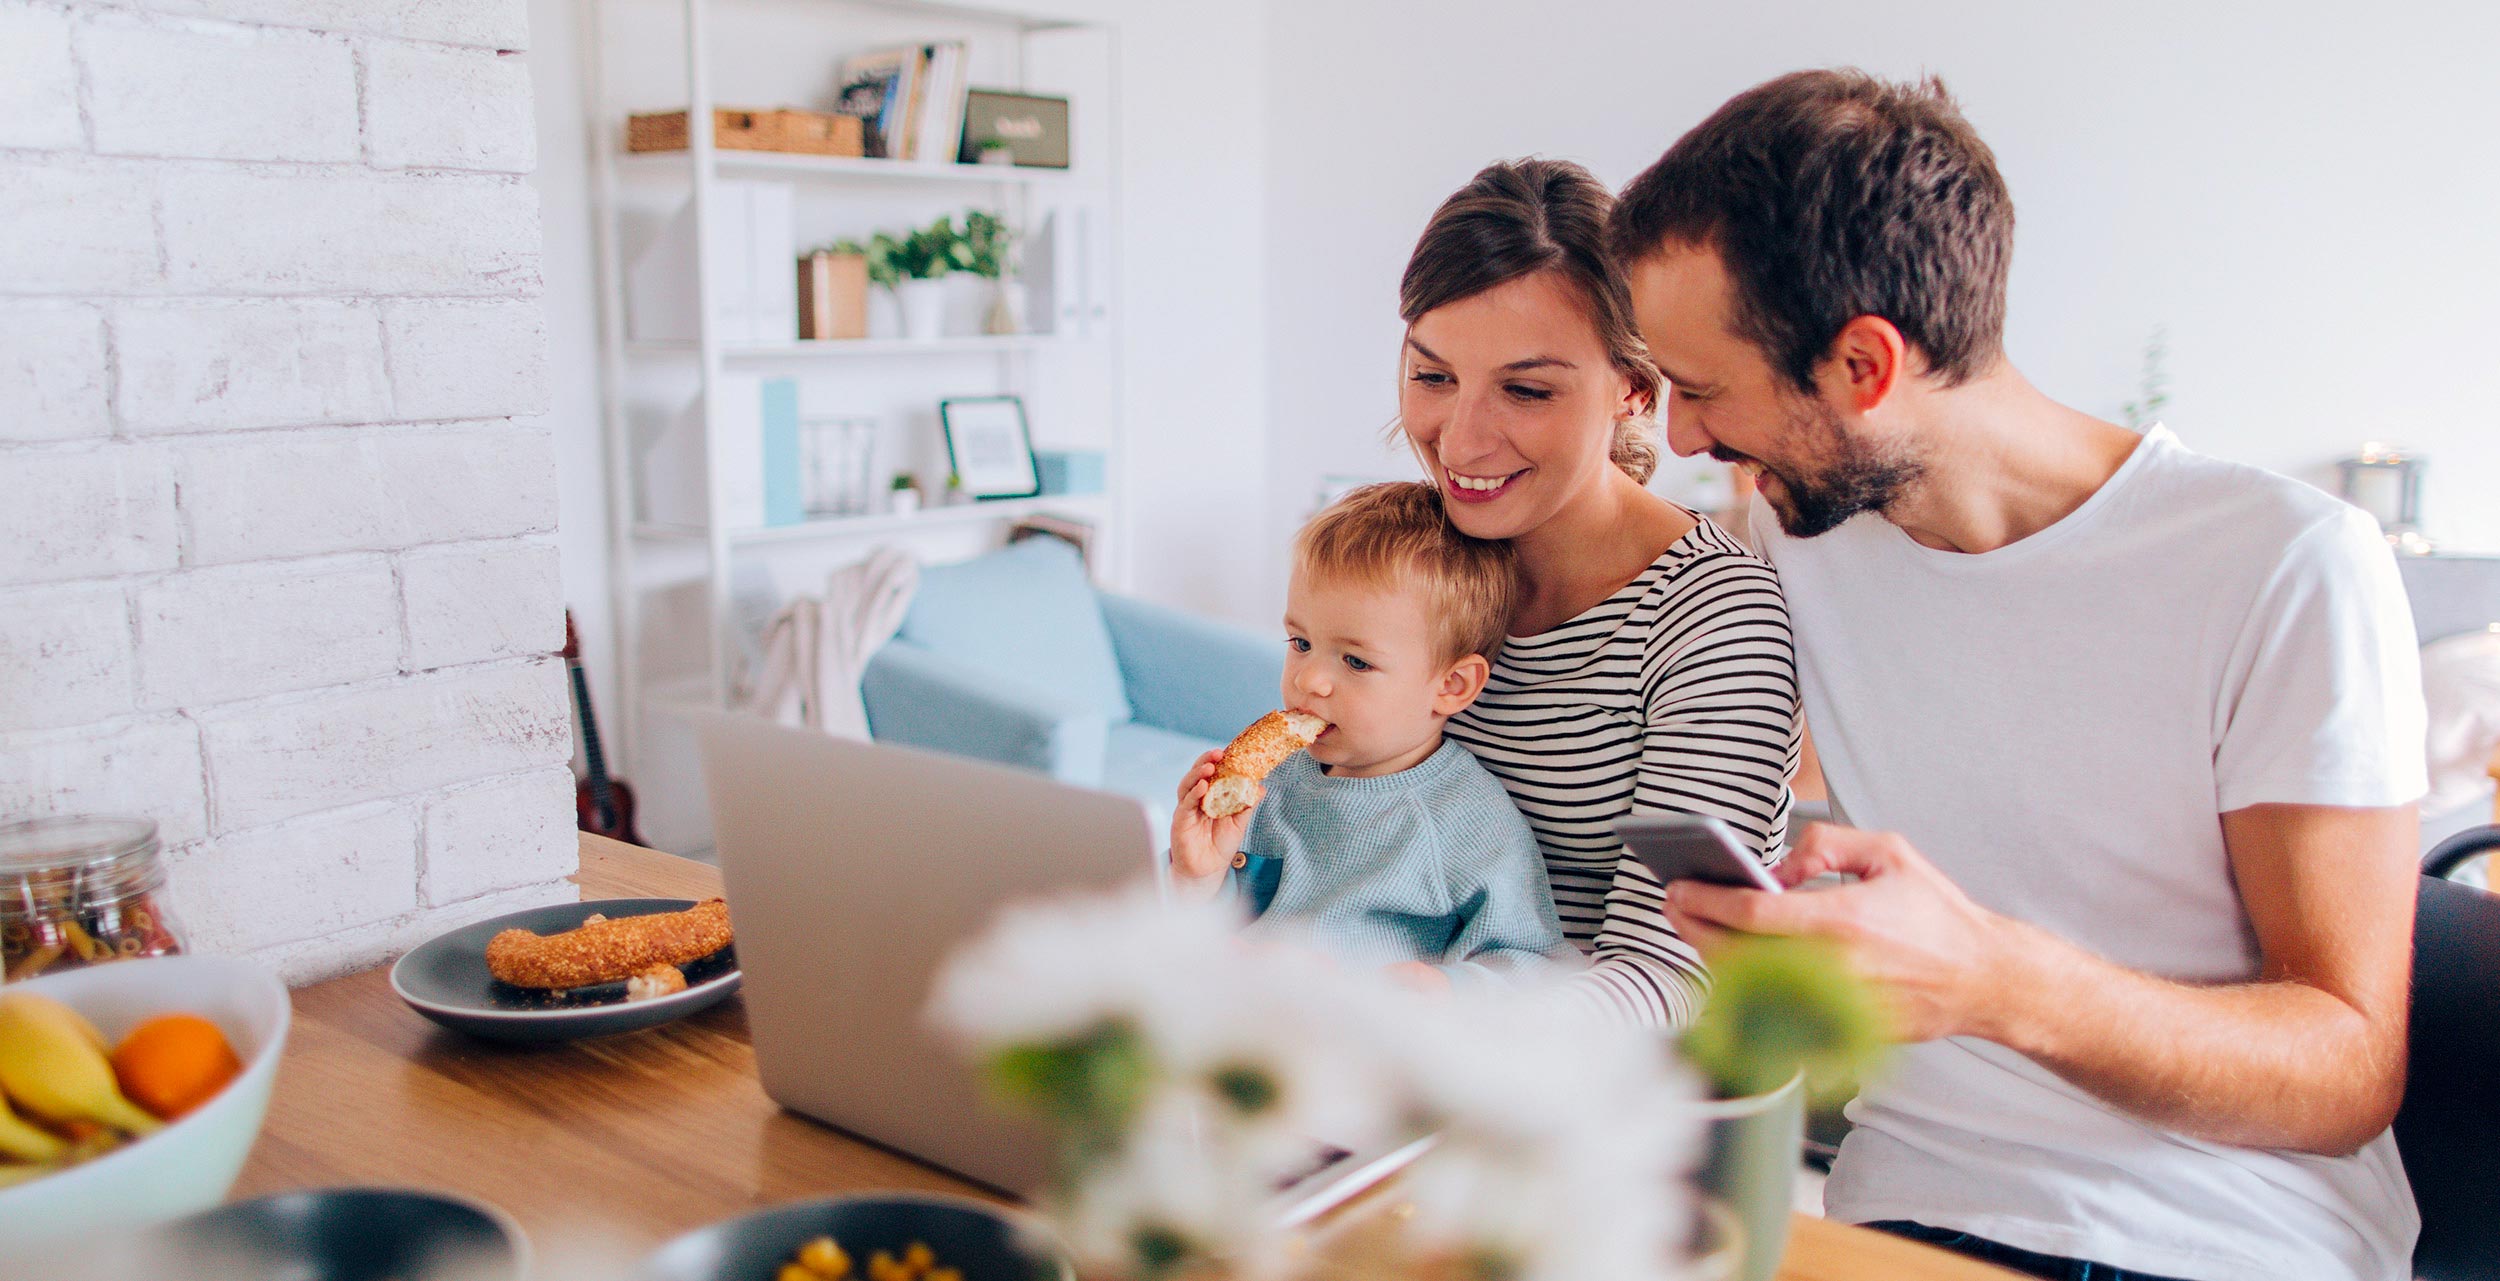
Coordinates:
1014 657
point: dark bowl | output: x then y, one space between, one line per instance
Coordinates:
341 1234
982 1242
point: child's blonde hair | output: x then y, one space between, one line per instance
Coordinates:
1395 536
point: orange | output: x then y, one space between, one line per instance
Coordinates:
173 1063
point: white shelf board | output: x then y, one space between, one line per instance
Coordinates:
794 166
839 348
887 522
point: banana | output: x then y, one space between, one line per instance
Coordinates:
11 1175
51 1066
24 1142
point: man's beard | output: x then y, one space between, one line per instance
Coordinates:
1852 475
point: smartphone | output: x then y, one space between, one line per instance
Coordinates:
1679 847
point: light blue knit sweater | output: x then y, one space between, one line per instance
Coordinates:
1432 863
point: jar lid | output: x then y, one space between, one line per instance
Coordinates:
75 844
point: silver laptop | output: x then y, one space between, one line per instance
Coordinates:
854 870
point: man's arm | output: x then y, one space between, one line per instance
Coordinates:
2310 1056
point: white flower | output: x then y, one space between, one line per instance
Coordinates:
1563 1135
1166 1189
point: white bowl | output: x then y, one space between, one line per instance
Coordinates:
188 1165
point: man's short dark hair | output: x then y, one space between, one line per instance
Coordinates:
1831 195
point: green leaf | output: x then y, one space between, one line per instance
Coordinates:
1160 1250
1778 1005
1248 1088
1089 1085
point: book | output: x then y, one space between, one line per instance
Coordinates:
941 122
754 431
878 87
778 409
751 243
772 288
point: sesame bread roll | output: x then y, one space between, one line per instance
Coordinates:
1250 756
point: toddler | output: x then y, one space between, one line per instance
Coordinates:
1389 842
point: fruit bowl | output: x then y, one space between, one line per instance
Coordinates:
189 1164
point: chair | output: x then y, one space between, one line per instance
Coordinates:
2449 1126
1014 657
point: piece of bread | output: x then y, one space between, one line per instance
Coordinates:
1253 753
610 951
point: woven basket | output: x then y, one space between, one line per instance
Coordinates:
811 133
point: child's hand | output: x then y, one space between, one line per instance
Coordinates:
1202 847
1416 976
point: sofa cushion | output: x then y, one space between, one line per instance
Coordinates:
1145 762
1026 613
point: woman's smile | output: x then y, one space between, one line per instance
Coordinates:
1478 489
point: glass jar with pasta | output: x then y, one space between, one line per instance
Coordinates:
81 891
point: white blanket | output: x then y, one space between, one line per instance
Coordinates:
815 650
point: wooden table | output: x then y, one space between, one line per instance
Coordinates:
630 1141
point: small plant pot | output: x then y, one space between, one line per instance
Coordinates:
924 309
903 502
1751 1152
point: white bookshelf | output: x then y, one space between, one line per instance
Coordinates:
875 524
757 53
795 168
760 355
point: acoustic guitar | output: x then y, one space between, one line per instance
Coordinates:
602 806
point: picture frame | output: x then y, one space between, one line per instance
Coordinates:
1032 127
989 446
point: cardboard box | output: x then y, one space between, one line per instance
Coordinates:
833 296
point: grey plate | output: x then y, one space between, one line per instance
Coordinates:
342 1234
982 1242
446 981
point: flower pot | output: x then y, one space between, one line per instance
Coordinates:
1718 1241
1006 308
1751 1152
924 309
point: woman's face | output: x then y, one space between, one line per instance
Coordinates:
1511 400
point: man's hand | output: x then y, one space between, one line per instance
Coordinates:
1939 958
1202 847
2306 1055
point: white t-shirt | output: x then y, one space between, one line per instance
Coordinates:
2057 724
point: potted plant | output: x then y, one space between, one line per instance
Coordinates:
903 498
1787 1021
912 268
992 249
924 258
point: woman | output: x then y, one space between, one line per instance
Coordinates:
1650 668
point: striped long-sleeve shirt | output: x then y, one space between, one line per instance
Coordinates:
1678 693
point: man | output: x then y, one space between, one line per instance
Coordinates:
2143 729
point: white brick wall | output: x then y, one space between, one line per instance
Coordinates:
51 372
349 233
38 81
448 108
159 87
215 635
471 602
274 497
